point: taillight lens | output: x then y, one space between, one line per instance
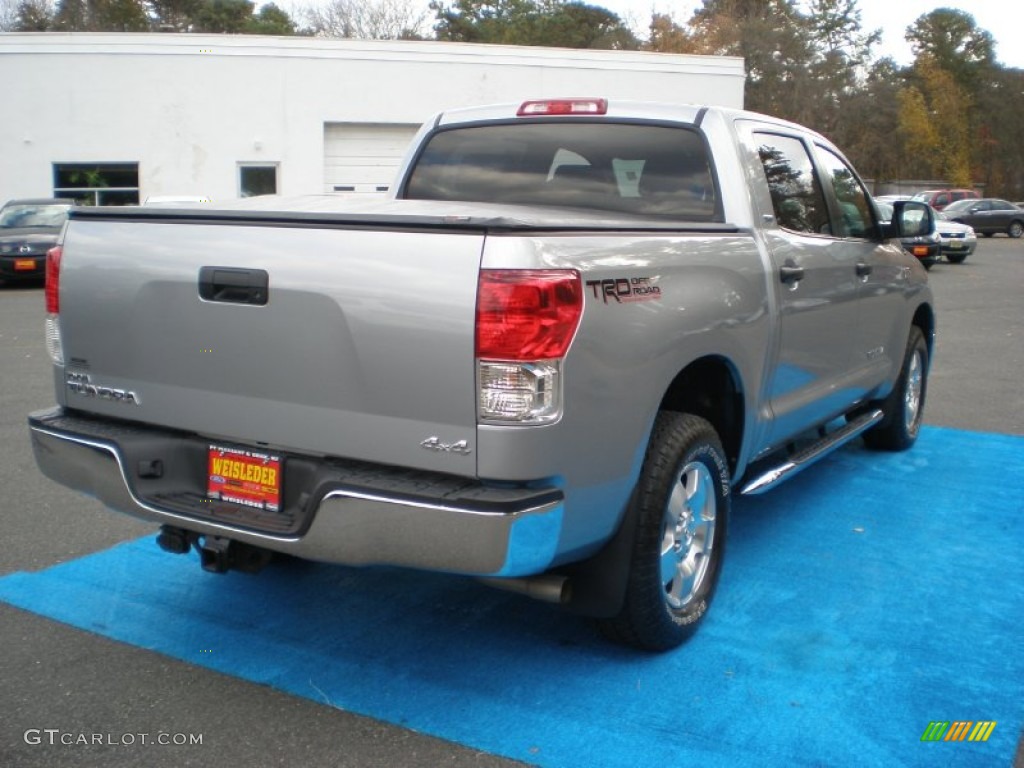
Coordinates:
563 107
53 279
53 340
525 322
527 314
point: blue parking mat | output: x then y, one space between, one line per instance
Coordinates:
868 598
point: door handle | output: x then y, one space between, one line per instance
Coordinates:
234 286
863 270
791 273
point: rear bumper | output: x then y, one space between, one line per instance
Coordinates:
335 511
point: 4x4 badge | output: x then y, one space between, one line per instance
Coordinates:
435 444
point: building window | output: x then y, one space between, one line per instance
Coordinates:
257 179
97 183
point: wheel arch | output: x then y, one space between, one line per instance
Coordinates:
924 318
711 387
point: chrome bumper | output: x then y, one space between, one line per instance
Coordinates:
487 532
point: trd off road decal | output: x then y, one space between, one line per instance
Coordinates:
622 290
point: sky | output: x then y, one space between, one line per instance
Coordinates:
1004 19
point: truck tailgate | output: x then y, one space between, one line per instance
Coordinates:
360 345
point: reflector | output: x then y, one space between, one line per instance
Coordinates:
53 279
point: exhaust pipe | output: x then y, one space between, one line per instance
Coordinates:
548 587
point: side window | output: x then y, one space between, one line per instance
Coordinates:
855 218
797 199
942 199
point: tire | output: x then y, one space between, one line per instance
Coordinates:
956 258
903 409
1016 229
678 550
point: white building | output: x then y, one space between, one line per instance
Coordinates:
121 117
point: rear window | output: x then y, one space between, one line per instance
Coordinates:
43 215
649 170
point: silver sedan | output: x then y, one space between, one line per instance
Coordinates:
957 241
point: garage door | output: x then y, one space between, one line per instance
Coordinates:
363 157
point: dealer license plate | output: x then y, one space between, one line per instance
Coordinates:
244 477
24 265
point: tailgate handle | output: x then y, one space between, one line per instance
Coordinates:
234 286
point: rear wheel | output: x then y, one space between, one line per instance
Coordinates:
1016 229
903 409
682 510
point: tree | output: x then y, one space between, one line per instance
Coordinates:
485 21
952 40
117 16
867 131
368 19
173 15
918 134
773 39
230 16
578 25
71 16
841 53
665 35
526 22
8 15
33 16
270 20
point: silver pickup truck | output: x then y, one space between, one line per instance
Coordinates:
576 328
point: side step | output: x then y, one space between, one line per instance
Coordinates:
803 458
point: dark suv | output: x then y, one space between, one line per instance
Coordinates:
28 229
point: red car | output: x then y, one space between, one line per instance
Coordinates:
940 198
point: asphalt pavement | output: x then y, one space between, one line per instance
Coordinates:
60 679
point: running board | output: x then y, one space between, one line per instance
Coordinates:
803 458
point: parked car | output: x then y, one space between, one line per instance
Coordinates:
940 198
926 248
28 229
957 241
988 216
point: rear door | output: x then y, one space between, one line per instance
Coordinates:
341 341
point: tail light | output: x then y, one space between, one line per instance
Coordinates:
53 340
525 322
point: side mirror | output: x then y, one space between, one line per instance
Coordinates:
910 219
